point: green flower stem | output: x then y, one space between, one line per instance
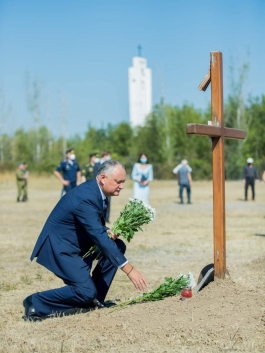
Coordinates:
169 288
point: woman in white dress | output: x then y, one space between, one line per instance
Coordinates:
142 174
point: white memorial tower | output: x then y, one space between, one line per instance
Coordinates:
140 90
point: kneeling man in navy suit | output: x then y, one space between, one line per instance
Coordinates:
76 223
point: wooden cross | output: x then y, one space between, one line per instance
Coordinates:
218 133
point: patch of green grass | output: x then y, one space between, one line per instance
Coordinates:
39 276
25 280
6 287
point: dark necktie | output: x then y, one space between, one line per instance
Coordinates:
105 206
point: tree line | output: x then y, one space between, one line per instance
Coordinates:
163 138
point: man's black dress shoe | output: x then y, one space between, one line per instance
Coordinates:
30 312
109 303
97 304
106 304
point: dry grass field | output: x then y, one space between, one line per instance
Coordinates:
227 316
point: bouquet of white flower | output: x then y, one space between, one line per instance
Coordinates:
169 288
134 215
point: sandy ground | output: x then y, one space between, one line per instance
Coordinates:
227 316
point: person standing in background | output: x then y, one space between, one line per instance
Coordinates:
183 171
249 176
88 170
105 156
142 175
21 182
26 173
70 170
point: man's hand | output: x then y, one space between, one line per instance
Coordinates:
136 277
112 235
138 280
144 183
62 180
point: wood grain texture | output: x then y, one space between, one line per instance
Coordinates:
218 133
218 166
215 131
205 82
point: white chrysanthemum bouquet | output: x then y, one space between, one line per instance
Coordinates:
134 215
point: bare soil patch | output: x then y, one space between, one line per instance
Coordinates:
226 316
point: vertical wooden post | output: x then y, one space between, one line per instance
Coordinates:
218 166
218 132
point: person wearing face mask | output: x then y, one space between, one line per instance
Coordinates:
105 156
88 170
142 175
68 171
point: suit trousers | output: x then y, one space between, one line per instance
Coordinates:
78 295
250 182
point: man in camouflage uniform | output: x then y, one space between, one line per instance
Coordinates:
88 170
21 182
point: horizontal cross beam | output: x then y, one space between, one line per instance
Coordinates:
215 131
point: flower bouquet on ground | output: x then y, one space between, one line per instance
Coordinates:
134 215
169 288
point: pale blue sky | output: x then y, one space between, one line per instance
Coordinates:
81 50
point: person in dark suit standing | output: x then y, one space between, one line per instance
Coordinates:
249 176
105 156
70 170
75 224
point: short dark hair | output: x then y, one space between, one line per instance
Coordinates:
146 157
69 150
108 166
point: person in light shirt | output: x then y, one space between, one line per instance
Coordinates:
183 170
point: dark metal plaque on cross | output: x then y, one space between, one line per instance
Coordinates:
218 133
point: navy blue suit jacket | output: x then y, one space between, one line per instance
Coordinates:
75 224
